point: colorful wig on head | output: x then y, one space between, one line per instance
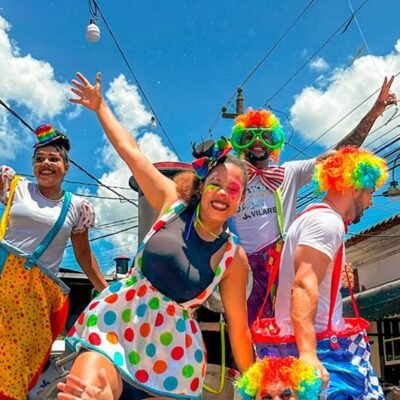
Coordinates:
260 119
350 168
272 375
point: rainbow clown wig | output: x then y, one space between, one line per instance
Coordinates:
350 168
272 375
265 120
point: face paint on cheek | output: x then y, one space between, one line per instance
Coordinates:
210 186
235 192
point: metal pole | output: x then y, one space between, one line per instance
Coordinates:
239 106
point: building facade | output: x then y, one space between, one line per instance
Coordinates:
375 257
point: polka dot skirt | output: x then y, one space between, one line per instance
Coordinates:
154 342
33 310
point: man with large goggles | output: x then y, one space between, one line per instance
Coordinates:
270 138
270 204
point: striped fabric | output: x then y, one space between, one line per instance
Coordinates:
271 176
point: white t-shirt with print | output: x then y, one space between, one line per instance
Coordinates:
256 221
32 216
323 230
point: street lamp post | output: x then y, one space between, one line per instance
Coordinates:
239 106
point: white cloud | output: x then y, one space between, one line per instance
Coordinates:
10 141
129 108
397 46
154 149
316 109
318 64
127 104
74 113
27 82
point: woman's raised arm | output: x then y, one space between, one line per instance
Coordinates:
158 189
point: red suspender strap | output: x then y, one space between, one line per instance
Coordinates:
276 264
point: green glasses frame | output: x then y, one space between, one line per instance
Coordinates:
237 138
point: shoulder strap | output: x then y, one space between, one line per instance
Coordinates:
4 219
279 211
32 259
277 256
336 276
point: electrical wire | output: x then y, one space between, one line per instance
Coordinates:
344 24
94 196
160 124
15 114
110 234
125 220
341 119
80 183
363 37
263 59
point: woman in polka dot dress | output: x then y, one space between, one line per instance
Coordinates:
141 331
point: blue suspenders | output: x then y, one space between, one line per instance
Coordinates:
32 259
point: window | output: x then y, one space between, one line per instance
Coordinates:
392 341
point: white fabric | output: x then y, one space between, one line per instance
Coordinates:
32 216
256 221
323 230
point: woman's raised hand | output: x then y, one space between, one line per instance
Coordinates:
89 95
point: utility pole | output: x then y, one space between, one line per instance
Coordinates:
239 106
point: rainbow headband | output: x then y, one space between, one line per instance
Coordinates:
259 119
350 168
273 375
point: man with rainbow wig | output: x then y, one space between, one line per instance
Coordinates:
309 310
270 204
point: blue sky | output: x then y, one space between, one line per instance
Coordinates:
189 58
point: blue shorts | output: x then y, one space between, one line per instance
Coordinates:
351 376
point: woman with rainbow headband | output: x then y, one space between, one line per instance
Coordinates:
38 221
308 310
270 204
140 332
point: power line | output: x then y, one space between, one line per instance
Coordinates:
81 183
263 59
114 233
297 149
344 24
135 77
105 254
94 196
373 132
109 234
276 44
13 112
362 36
341 119
380 137
101 183
125 220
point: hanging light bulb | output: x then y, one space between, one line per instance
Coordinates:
153 122
92 31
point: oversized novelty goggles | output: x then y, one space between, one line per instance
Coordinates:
243 138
